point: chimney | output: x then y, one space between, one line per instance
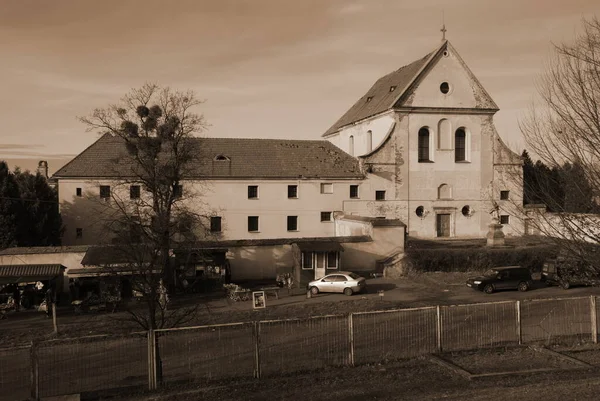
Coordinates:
42 168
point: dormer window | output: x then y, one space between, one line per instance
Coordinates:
369 99
392 88
221 158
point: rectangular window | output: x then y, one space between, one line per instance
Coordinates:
424 145
78 192
292 223
504 195
326 216
134 192
178 191
379 195
353 191
215 224
504 219
293 191
326 188
79 233
332 258
307 260
105 191
252 191
253 223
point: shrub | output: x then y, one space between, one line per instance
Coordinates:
453 259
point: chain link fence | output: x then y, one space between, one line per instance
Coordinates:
478 326
312 343
205 352
394 334
15 373
91 364
267 348
566 320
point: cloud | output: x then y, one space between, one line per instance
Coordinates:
12 146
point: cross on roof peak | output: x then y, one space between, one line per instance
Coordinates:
443 30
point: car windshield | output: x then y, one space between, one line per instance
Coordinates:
491 273
354 276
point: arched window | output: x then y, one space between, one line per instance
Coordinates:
460 145
351 145
424 154
444 134
369 141
444 191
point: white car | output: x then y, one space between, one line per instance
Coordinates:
342 282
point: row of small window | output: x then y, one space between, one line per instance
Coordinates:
134 192
460 145
292 222
253 223
292 191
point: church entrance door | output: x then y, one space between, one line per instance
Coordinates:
443 225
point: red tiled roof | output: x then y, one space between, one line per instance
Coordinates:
246 158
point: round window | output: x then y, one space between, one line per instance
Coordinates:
466 210
420 210
446 54
445 87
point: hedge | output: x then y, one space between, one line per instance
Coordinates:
450 259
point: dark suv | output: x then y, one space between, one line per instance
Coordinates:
502 278
566 273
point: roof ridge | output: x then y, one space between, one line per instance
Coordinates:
56 173
356 108
429 58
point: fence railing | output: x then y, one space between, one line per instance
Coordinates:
267 348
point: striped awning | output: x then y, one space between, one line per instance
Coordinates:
27 273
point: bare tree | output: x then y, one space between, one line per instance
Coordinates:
565 128
146 210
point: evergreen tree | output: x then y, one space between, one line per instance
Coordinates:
40 223
9 207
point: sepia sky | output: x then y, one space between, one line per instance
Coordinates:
267 68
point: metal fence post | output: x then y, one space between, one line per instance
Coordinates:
151 360
518 314
35 378
594 319
351 339
257 350
54 324
438 330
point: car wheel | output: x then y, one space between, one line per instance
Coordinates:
314 290
348 291
523 286
565 285
488 289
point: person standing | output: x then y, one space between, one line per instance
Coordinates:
49 301
17 298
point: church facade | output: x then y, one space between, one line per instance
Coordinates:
426 139
418 148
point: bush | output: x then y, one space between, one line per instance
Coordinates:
452 259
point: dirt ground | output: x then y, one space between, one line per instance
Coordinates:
416 379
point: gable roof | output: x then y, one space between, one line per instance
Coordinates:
244 158
404 79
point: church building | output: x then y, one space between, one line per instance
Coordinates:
425 137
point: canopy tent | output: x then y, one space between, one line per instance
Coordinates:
13 274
